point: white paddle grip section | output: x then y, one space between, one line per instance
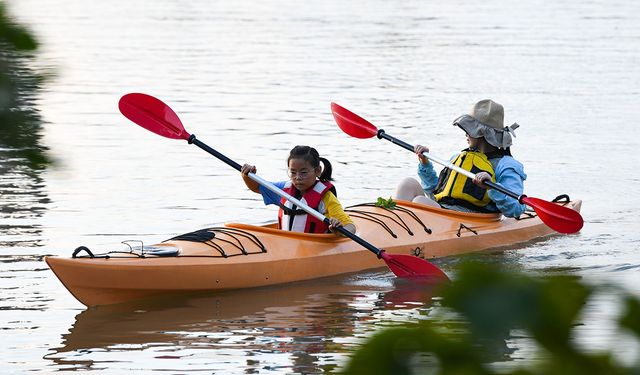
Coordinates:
286 196
449 165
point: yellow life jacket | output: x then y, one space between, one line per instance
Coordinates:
457 189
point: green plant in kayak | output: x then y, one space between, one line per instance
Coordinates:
386 203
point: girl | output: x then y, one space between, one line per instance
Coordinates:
488 156
309 183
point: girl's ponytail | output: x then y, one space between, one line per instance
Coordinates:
326 170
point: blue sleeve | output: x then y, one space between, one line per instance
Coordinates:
510 174
428 177
270 197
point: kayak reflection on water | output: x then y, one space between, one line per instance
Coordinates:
299 320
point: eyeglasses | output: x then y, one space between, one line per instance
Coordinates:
299 174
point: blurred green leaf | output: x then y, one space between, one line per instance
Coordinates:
559 302
16 36
393 351
20 121
493 302
630 318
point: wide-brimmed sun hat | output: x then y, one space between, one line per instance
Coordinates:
486 120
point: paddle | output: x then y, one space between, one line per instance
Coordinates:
559 218
155 116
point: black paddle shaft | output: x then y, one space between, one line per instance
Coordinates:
204 146
382 135
359 240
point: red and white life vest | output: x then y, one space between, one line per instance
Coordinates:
296 220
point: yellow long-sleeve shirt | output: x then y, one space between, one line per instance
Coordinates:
334 209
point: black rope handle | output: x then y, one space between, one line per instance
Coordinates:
392 211
562 198
82 248
462 226
370 217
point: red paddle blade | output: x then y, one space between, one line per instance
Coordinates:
352 124
559 218
408 266
153 115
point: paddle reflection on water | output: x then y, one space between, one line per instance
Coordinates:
291 325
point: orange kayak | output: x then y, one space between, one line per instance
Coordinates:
238 256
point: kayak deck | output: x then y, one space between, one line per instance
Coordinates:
240 256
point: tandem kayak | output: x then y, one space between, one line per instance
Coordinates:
238 256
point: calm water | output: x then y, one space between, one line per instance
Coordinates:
252 79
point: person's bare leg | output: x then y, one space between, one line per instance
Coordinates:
426 201
408 189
